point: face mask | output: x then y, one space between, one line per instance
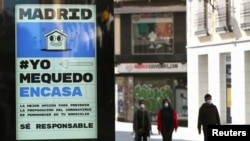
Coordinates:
209 101
142 106
166 104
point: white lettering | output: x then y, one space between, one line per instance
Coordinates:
216 132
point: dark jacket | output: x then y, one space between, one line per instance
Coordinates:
208 115
137 122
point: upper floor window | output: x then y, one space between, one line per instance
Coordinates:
202 18
245 14
152 34
224 17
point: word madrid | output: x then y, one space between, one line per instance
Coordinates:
55 14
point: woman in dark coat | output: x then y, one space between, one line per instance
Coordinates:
141 123
167 121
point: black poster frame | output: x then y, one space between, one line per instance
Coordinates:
105 68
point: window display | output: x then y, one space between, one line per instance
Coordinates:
152 33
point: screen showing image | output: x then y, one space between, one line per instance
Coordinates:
56 80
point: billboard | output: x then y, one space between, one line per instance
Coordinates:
56 80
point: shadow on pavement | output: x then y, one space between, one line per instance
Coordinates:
127 136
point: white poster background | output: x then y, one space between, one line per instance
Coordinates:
48 109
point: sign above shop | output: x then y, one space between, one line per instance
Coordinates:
151 68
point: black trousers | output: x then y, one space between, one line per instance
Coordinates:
167 134
205 133
139 137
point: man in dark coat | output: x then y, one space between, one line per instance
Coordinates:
142 122
208 115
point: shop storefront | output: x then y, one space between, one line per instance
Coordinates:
152 82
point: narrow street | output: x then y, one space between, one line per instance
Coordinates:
124 133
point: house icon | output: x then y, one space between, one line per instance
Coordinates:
56 40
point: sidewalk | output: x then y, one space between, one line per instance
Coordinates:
124 130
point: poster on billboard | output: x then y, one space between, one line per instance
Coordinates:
56 84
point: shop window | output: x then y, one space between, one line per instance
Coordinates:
180 85
224 16
152 34
202 19
153 90
245 15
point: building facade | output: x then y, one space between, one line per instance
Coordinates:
150 56
218 58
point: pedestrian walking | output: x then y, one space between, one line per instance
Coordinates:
141 122
167 120
208 115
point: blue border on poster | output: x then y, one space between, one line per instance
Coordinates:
31 40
